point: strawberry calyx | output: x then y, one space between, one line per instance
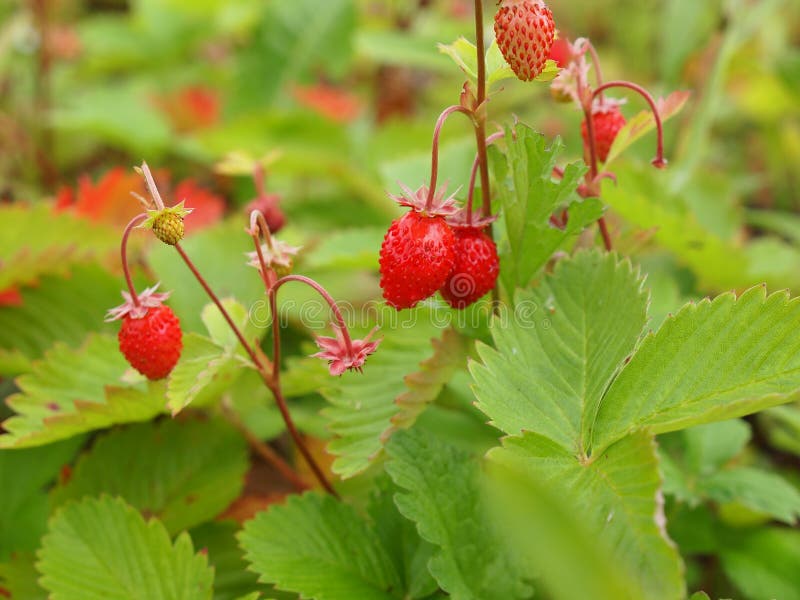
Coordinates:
463 219
147 299
439 206
277 255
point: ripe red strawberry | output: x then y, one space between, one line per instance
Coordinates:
152 343
416 257
476 268
524 30
606 125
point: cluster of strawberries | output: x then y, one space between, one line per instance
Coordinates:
436 247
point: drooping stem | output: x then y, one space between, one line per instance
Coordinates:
337 314
604 232
259 228
595 63
275 386
271 379
480 116
123 250
435 149
658 161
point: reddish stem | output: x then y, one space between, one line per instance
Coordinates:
604 232
340 322
474 173
595 63
658 161
435 148
123 250
272 382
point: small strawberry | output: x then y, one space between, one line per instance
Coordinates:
476 268
417 253
167 223
524 30
606 123
150 337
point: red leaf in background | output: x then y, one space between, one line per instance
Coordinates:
208 207
190 108
110 200
10 297
328 101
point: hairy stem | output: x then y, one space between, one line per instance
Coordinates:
435 148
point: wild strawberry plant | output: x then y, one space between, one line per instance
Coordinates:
521 414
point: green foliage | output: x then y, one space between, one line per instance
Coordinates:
441 489
18 578
37 241
528 197
74 391
103 549
28 330
348 558
184 473
24 474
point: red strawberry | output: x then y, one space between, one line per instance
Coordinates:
417 255
606 125
476 268
152 343
524 30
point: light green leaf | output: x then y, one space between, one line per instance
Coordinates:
541 525
183 472
37 241
102 549
556 354
74 391
763 563
319 547
364 405
441 494
28 330
349 248
528 196
617 495
756 489
713 361
232 579
465 54
708 447
782 425
24 474
644 122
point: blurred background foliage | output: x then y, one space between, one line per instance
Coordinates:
337 100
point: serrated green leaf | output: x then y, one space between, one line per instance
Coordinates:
19 579
617 494
36 241
644 122
713 361
556 354
231 576
364 404
763 563
102 549
320 548
441 489
183 472
23 503
528 196
73 391
44 317
756 489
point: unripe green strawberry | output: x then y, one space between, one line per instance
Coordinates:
167 223
168 227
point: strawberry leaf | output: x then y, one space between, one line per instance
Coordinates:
36 241
617 495
712 361
73 391
441 488
102 549
183 472
644 122
556 354
320 548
